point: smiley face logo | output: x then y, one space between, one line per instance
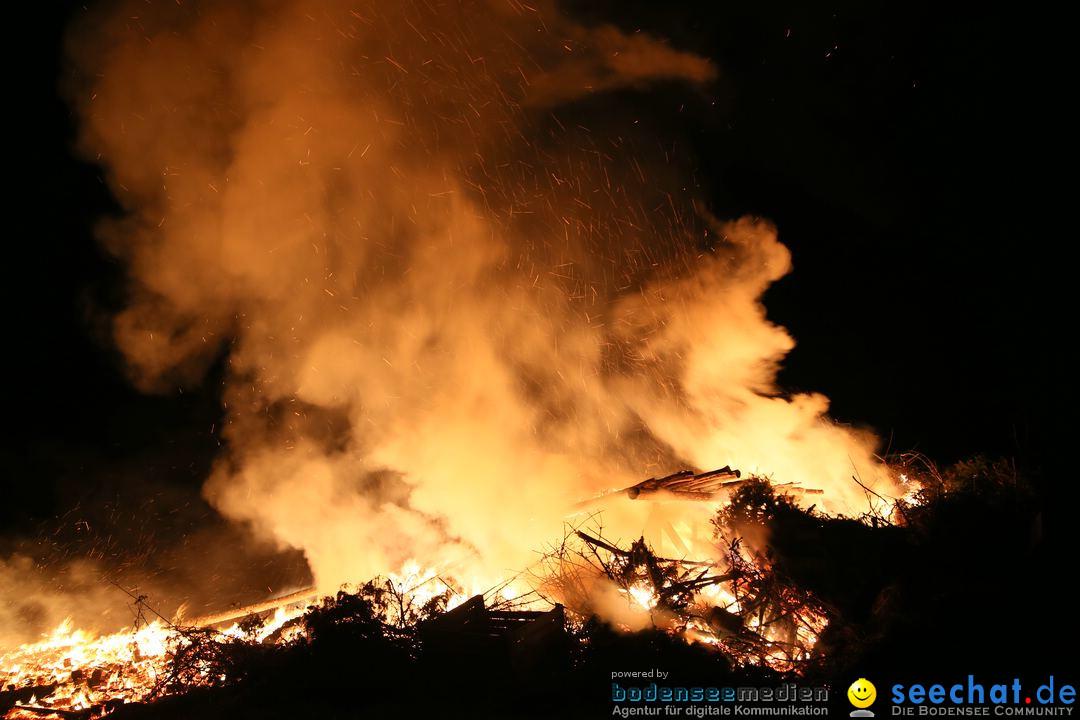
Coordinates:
862 693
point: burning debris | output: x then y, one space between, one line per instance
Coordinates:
703 486
737 603
775 598
733 604
524 642
72 672
713 486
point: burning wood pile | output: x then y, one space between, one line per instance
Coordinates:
72 673
776 598
737 603
734 603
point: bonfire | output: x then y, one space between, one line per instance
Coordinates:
736 605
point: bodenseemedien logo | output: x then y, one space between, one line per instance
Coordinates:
862 694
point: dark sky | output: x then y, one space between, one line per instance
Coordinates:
904 153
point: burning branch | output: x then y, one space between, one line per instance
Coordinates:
745 609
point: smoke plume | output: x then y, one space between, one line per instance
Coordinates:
449 308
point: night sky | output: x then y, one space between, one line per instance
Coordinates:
903 153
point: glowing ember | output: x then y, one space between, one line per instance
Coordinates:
79 670
644 596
